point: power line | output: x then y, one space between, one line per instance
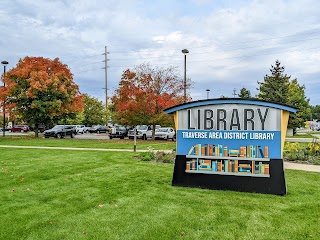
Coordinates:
223 44
89 70
86 64
79 59
199 53
196 61
226 58
269 53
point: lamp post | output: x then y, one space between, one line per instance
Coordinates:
4 63
208 90
185 52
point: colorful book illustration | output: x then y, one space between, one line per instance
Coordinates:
244 160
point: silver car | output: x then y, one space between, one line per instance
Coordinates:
165 133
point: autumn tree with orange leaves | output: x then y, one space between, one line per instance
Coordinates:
144 93
40 89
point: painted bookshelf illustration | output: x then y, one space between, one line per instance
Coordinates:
247 160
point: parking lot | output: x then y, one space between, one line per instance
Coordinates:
78 136
92 136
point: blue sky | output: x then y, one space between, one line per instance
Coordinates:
232 44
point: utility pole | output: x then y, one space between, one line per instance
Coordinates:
234 93
106 73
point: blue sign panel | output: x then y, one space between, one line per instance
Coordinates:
250 144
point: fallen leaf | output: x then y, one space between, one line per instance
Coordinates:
22 180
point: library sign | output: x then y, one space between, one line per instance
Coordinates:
233 144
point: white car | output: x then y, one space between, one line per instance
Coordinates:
86 129
165 133
142 131
80 129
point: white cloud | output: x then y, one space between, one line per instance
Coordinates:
232 43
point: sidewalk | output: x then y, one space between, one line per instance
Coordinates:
304 167
287 165
71 148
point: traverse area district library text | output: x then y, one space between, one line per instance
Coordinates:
229 135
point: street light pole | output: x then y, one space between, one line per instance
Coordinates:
4 99
185 51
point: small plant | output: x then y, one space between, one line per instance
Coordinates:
302 153
159 156
165 157
146 156
169 158
314 148
292 150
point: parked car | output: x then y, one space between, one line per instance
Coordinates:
19 128
86 129
41 128
60 131
142 131
98 129
80 129
165 133
118 132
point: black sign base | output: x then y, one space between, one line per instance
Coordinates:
275 184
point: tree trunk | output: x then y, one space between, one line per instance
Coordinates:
153 131
36 130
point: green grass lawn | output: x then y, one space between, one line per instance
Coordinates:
86 143
63 194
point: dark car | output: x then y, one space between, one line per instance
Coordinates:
41 128
98 129
118 132
19 128
60 131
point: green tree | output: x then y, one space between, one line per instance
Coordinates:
244 93
39 90
275 87
76 118
315 110
279 88
94 112
1 121
298 100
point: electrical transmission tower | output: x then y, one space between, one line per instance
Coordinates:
106 73
234 93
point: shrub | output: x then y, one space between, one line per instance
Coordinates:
292 150
147 156
165 157
159 156
314 148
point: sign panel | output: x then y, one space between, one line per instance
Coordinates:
221 139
